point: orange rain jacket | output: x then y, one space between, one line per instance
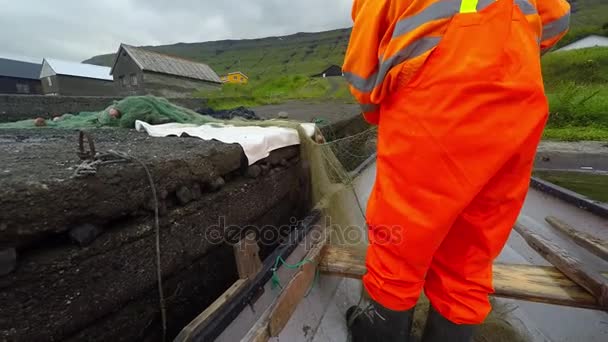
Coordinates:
458 130
389 47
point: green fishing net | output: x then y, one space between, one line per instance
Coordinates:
151 109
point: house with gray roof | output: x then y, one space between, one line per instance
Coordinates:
138 71
587 42
75 79
19 77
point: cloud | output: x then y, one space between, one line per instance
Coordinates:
76 30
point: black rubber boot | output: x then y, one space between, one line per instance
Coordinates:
439 329
375 323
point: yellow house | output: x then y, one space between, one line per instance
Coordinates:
235 77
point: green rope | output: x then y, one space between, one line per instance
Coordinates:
276 281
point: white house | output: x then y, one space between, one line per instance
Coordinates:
587 42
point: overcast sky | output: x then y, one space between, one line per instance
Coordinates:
79 29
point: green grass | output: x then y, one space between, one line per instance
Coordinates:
588 66
594 186
574 133
277 90
582 105
577 87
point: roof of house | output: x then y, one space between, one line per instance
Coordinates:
239 73
170 65
79 69
586 42
332 66
19 69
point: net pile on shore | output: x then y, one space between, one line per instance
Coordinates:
151 109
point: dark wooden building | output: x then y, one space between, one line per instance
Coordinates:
75 79
18 77
331 71
138 71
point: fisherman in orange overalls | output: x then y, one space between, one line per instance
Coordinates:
456 90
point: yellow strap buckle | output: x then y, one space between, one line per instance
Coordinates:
468 6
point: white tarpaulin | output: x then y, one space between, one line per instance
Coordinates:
257 142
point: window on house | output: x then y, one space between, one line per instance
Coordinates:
133 79
23 88
235 77
123 81
49 81
242 78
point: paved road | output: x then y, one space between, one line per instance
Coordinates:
307 111
573 155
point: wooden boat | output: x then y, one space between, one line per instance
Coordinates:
319 278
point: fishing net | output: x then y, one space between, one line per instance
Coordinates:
151 109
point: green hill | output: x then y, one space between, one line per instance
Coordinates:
301 53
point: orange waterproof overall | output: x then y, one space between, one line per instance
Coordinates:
456 144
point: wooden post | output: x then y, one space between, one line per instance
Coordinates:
573 268
595 245
246 254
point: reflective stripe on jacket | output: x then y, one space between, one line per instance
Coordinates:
391 39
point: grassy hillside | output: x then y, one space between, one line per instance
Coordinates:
301 53
277 90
